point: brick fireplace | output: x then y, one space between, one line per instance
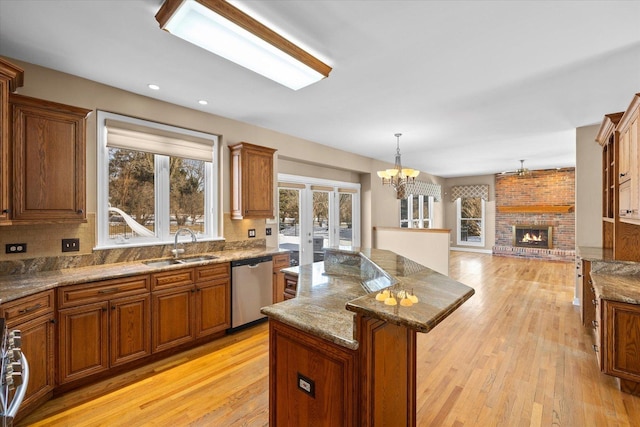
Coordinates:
541 205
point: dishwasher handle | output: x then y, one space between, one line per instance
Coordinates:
251 262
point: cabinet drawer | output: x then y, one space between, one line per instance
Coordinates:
281 261
213 271
28 308
69 296
173 278
290 285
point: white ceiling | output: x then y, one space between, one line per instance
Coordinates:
473 86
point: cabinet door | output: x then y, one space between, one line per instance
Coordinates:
83 341
38 348
622 339
130 332
213 300
172 317
251 181
48 161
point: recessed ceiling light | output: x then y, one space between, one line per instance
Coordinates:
202 102
153 87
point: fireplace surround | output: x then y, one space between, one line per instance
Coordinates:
532 236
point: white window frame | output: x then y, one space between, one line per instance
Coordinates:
162 209
306 201
421 219
459 224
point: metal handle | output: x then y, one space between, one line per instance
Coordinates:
591 283
622 175
20 390
579 275
6 211
252 265
29 309
594 302
594 323
80 211
595 348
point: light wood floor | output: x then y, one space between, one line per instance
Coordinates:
515 354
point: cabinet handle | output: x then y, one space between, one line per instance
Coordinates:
595 348
29 309
592 288
52 321
594 323
80 211
7 211
590 282
622 175
579 275
108 291
595 302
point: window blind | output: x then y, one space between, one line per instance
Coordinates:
151 140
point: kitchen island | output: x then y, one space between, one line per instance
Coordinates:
339 354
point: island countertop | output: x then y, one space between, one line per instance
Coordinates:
332 292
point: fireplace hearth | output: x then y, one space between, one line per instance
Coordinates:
532 236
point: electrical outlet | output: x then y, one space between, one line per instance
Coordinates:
268 231
15 248
70 245
252 232
306 385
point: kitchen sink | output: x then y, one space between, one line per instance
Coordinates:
174 261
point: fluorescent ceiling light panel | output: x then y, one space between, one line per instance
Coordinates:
220 28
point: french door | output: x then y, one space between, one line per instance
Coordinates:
314 214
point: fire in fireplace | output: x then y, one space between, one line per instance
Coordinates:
533 236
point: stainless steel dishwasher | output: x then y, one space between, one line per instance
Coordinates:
251 289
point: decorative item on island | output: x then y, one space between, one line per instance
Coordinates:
341 356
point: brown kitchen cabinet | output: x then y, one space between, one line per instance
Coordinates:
280 261
49 150
102 325
621 343
290 286
190 303
629 171
34 316
11 78
311 380
251 181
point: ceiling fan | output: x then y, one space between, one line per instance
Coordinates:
521 171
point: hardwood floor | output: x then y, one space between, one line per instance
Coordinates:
515 354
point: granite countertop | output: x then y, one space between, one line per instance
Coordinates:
330 293
16 286
612 279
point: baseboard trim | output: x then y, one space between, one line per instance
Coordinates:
481 251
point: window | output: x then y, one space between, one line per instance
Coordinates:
152 180
416 212
470 215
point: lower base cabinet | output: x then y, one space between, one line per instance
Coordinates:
34 316
102 325
190 303
621 344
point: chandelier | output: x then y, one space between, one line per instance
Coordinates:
398 178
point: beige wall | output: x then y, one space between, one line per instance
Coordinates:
294 155
490 210
426 247
588 187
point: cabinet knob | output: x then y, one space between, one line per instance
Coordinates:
579 275
595 348
52 321
80 211
594 323
7 211
623 174
595 302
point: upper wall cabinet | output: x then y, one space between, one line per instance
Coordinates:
629 171
11 78
48 161
251 181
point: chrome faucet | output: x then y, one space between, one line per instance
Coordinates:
175 251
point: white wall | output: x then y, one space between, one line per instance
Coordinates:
428 247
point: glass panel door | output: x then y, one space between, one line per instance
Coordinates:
345 219
321 224
289 227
